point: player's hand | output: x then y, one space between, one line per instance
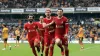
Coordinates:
66 36
23 38
76 37
84 37
44 25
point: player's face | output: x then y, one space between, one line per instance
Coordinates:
48 13
41 19
17 28
59 12
30 18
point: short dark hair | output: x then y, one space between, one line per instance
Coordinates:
81 25
16 26
60 9
30 15
4 25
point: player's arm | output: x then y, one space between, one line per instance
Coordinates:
79 31
3 31
66 27
46 25
22 34
24 31
39 32
84 33
16 33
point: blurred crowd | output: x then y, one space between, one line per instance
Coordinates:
75 3
87 3
23 3
91 31
60 3
44 3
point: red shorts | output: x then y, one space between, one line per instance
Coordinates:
32 41
63 40
49 39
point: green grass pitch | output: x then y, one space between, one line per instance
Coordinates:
74 50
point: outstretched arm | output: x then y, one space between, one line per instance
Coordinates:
46 25
22 34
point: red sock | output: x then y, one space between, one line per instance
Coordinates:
46 51
34 51
51 50
66 52
60 46
42 47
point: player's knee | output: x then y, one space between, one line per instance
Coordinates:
80 42
51 45
36 44
58 41
47 47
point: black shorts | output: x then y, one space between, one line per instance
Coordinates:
5 39
80 38
18 38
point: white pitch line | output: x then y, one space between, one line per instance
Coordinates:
90 48
85 49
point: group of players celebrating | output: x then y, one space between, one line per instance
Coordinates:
44 34
48 32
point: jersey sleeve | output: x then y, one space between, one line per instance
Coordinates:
36 25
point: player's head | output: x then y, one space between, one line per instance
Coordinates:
81 26
60 12
30 18
3 25
17 28
41 18
48 12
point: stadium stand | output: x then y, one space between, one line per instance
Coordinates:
43 3
75 3
23 3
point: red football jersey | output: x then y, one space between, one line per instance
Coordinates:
31 29
49 29
40 27
61 26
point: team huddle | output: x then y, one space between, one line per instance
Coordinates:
48 31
